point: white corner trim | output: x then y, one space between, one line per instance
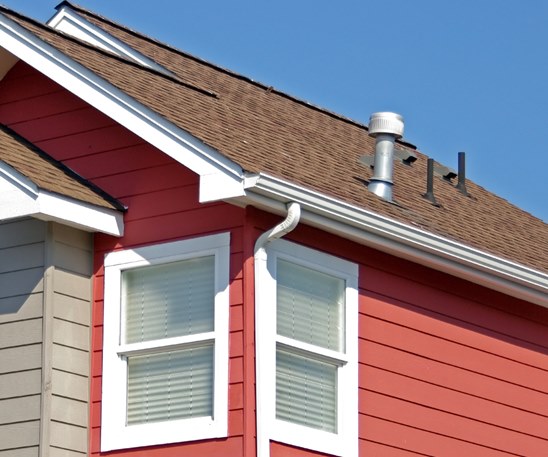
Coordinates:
70 22
20 197
399 239
141 120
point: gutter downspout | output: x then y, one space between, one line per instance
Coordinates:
260 268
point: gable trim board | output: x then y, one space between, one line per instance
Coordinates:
69 22
222 179
20 197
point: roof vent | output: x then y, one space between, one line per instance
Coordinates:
461 184
385 128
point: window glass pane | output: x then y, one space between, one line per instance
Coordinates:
310 306
306 391
168 300
169 386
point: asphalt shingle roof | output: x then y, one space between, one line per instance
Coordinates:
47 173
264 130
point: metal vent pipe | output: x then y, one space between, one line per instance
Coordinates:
385 128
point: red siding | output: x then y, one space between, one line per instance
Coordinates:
162 197
446 367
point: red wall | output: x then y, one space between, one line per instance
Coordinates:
162 197
447 368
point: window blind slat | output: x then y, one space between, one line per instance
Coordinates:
172 385
169 300
306 391
310 306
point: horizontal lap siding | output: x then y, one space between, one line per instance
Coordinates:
162 197
72 257
21 301
446 368
444 374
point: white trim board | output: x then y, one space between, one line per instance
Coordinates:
222 177
115 432
401 240
70 22
20 197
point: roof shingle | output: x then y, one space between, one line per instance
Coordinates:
47 173
267 131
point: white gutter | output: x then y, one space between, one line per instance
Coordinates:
399 239
260 258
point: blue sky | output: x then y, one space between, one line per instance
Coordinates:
467 76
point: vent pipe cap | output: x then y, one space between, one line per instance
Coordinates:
386 122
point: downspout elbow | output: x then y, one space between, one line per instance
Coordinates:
287 225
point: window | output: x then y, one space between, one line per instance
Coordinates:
307 312
165 351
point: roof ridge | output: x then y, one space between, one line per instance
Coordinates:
227 71
63 168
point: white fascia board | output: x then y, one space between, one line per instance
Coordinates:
70 22
20 197
398 239
175 142
53 207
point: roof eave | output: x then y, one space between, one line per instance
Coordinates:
399 239
20 197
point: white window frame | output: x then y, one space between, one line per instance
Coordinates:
345 441
115 433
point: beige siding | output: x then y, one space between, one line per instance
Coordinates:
70 339
67 436
70 360
19 384
19 435
71 309
21 452
20 233
22 247
69 411
70 334
20 333
20 409
20 358
72 285
45 312
70 385
15 309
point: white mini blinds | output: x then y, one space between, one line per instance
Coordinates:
165 302
165 355
307 356
310 309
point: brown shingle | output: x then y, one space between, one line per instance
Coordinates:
264 130
46 173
